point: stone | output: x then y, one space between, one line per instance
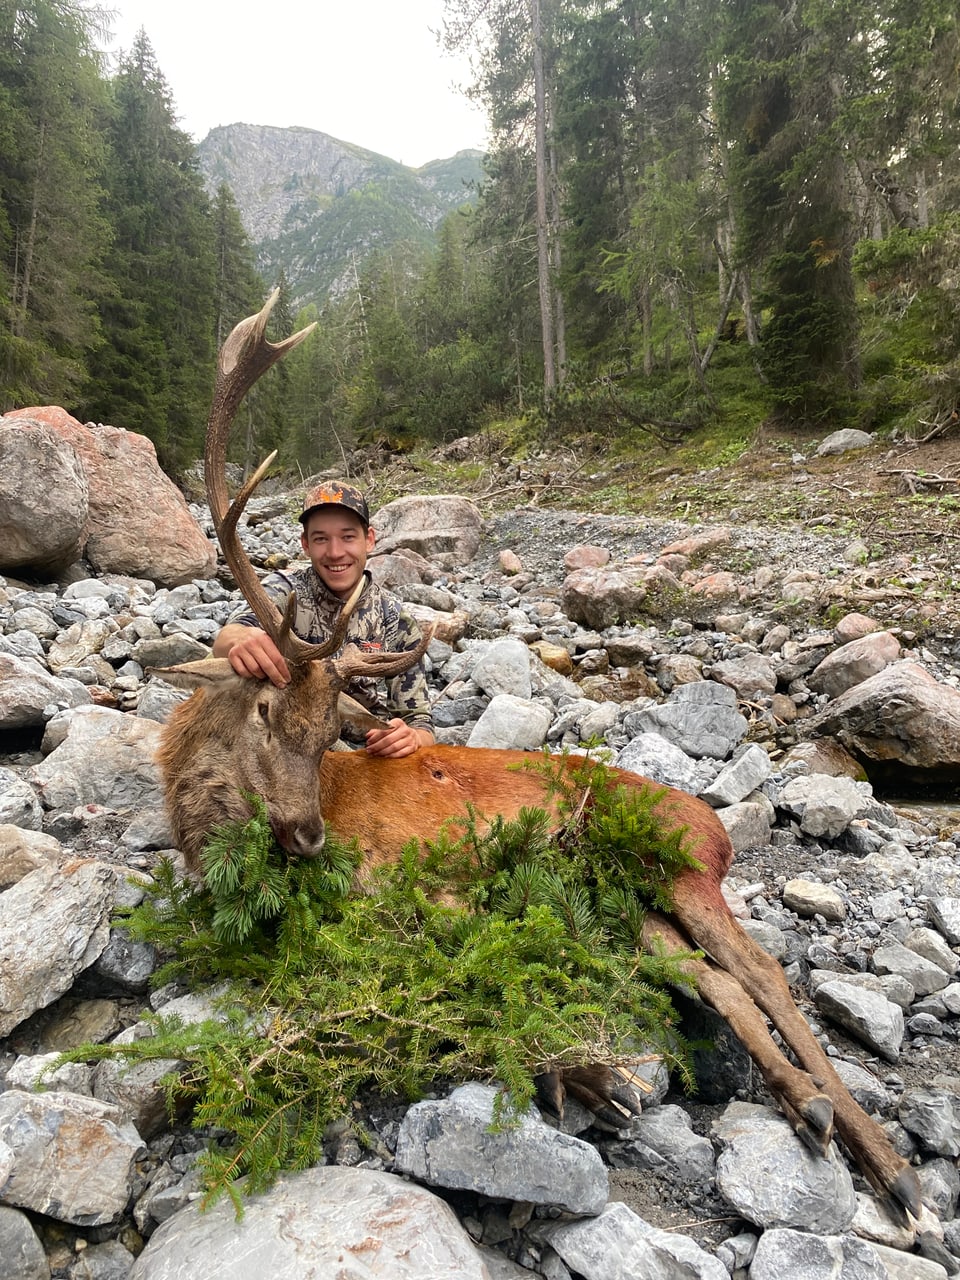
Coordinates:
766 1173
449 1143
329 1221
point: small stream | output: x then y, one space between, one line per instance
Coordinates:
941 816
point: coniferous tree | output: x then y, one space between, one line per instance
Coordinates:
153 372
240 288
516 42
51 232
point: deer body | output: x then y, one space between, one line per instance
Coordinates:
237 736
384 803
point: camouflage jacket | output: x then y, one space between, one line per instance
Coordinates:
379 621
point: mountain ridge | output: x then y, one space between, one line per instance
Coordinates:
317 206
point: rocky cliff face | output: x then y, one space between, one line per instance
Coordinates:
313 204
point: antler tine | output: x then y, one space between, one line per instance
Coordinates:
244 357
382 665
299 651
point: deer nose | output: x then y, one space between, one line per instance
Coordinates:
306 843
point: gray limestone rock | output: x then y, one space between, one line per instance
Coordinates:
448 1143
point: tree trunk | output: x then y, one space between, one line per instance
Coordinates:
558 307
545 291
30 244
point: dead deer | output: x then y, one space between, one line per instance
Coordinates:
237 736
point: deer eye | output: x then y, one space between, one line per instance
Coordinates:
263 711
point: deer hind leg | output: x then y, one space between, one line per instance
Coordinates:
740 980
809 1111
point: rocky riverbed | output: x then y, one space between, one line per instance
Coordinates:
724 659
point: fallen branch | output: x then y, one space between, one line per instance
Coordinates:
915 481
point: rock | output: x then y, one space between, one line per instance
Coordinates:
784 1254
823 755
44 498
809 898
511 723
19 808
925 976
601 597
21 1254
697 544
28 691
824 806
854 662
620 1245
449 1143
934 1116
747 824
504 668
701 719
843 441
444 528
902 723
654 757
771 1179
320 1222
586 557
73 1159
53 924
106 758
751 677
736 780
668 1131
868 1015
139 523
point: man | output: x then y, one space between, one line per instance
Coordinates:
337 538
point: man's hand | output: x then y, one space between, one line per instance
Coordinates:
252 654
400 739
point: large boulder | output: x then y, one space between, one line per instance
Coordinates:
329 1221
854 662
444 528
902 723
138 522
44 498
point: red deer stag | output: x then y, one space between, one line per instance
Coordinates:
238 735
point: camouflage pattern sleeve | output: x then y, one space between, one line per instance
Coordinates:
407 694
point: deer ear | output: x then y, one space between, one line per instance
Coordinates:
207 673
356 716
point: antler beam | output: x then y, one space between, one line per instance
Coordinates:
244 357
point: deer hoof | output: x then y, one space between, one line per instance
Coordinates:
816 1124
904 1193
550 1093
604 1091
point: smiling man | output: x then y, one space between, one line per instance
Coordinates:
337 538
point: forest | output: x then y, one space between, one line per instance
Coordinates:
695 214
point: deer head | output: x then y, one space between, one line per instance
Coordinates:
238 737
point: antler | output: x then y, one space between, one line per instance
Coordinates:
382 666
244 357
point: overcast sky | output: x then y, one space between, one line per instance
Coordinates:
365 71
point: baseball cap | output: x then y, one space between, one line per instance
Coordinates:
336 493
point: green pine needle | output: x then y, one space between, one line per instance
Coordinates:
536 965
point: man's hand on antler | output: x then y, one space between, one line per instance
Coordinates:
252 654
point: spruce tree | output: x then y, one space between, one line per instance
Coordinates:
52 234
153 372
